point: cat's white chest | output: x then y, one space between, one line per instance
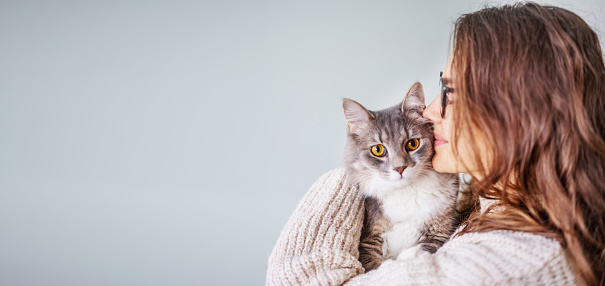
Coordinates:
409 208
402 236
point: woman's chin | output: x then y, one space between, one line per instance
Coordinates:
443 166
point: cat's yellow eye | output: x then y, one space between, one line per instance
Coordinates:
378 150
412 145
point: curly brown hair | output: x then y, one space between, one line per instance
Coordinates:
530 80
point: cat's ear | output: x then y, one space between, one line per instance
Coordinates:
414 99
357 116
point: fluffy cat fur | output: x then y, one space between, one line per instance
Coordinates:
407 202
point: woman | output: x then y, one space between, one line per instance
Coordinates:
522 110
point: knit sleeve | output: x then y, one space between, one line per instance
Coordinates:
500 257
318 245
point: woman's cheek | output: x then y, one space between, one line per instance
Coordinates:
444 160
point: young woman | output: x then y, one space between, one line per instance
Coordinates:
522 109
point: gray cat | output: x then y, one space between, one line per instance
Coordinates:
407 203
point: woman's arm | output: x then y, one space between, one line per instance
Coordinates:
319 244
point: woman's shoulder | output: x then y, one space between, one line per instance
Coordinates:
333 181
508 238
337 174
518 256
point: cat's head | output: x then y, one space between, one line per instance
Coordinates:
388 148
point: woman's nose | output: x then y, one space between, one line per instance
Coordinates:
433 112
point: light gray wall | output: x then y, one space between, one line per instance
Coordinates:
167 142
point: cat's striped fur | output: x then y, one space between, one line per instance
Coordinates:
407 202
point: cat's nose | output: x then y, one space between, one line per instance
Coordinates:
400 169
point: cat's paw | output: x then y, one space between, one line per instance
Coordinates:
411 253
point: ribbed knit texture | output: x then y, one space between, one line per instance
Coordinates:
318 246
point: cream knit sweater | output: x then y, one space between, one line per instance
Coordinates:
318 246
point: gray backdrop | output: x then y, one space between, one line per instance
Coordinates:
167 142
